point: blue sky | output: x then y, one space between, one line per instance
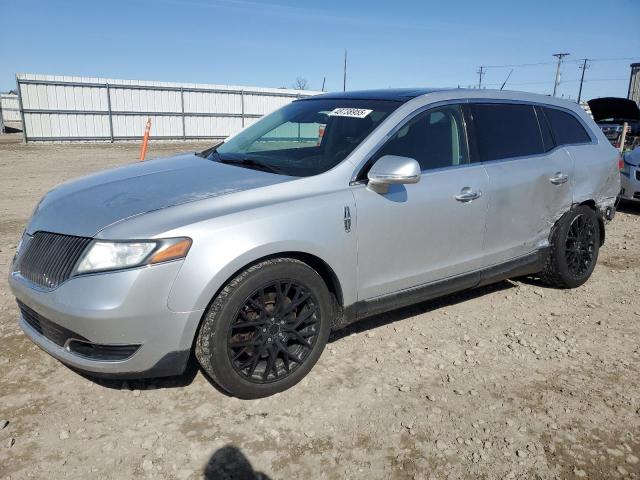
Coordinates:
264 43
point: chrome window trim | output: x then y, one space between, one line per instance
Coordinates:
594 141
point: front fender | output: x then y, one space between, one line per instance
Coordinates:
224 246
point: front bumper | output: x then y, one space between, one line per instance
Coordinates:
112 309
630 185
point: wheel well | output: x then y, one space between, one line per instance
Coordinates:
319 265
592 204
324 270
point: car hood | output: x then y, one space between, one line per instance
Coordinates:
616 109
85 206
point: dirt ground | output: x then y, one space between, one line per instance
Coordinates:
510 381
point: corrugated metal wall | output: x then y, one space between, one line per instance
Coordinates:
81 108
9 106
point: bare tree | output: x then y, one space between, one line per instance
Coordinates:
301 84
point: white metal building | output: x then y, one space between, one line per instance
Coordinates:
9 110
80 108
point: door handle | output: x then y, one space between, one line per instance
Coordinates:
467 195
559 178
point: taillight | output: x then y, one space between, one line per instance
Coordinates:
620 163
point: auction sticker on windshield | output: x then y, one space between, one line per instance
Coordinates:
350 112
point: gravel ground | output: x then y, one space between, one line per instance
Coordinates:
510 381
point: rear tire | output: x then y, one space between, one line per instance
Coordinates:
575 242
266 329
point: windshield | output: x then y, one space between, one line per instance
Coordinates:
306 137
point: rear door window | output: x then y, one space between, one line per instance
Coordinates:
566 128
505 130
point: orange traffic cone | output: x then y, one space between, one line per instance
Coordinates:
145 140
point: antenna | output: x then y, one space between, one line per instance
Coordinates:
506 79
344 80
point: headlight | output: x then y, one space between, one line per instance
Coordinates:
104 255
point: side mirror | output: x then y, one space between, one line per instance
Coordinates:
392 169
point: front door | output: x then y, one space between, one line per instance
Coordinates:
433 230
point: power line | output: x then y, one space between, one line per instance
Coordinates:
604 59
520 65
574 80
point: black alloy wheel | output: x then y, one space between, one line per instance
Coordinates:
266 329
581 245
274 331
573 248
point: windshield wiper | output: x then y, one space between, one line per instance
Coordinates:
207 152
250 163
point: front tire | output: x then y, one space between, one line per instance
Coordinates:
575 243
266 329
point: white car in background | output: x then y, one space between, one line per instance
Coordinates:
630 176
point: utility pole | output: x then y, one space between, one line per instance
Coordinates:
344 80
583 68
481 72
559 56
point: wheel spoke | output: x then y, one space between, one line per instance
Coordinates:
285 358
290 357
271 361
300 319
246 343
295 304
256 323
256 359
300 339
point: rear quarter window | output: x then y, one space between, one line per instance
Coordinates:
566 128
506 131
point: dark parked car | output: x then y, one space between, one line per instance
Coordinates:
610 113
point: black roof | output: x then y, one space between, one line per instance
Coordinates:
397 94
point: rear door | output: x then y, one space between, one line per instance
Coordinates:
594 164
529 177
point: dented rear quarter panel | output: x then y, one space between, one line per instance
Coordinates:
596 175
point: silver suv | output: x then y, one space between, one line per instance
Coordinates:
331 209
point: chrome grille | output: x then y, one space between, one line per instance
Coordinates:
48 258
